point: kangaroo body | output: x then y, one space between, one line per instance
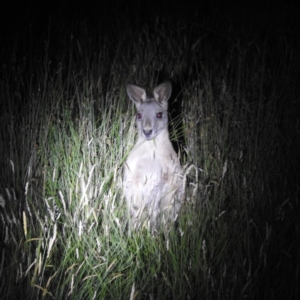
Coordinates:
153 176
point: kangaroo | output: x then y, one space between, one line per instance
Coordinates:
153 176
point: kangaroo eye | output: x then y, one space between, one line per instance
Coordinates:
139 116
159 115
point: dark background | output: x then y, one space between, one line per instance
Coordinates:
23 21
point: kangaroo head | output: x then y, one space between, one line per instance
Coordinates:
152 113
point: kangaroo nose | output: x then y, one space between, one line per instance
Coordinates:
147 133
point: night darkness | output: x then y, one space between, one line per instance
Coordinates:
66 128
22 19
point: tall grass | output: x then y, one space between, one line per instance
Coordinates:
67 126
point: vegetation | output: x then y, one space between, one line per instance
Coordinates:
67 126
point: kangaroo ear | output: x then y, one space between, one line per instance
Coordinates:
163 92
136 94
